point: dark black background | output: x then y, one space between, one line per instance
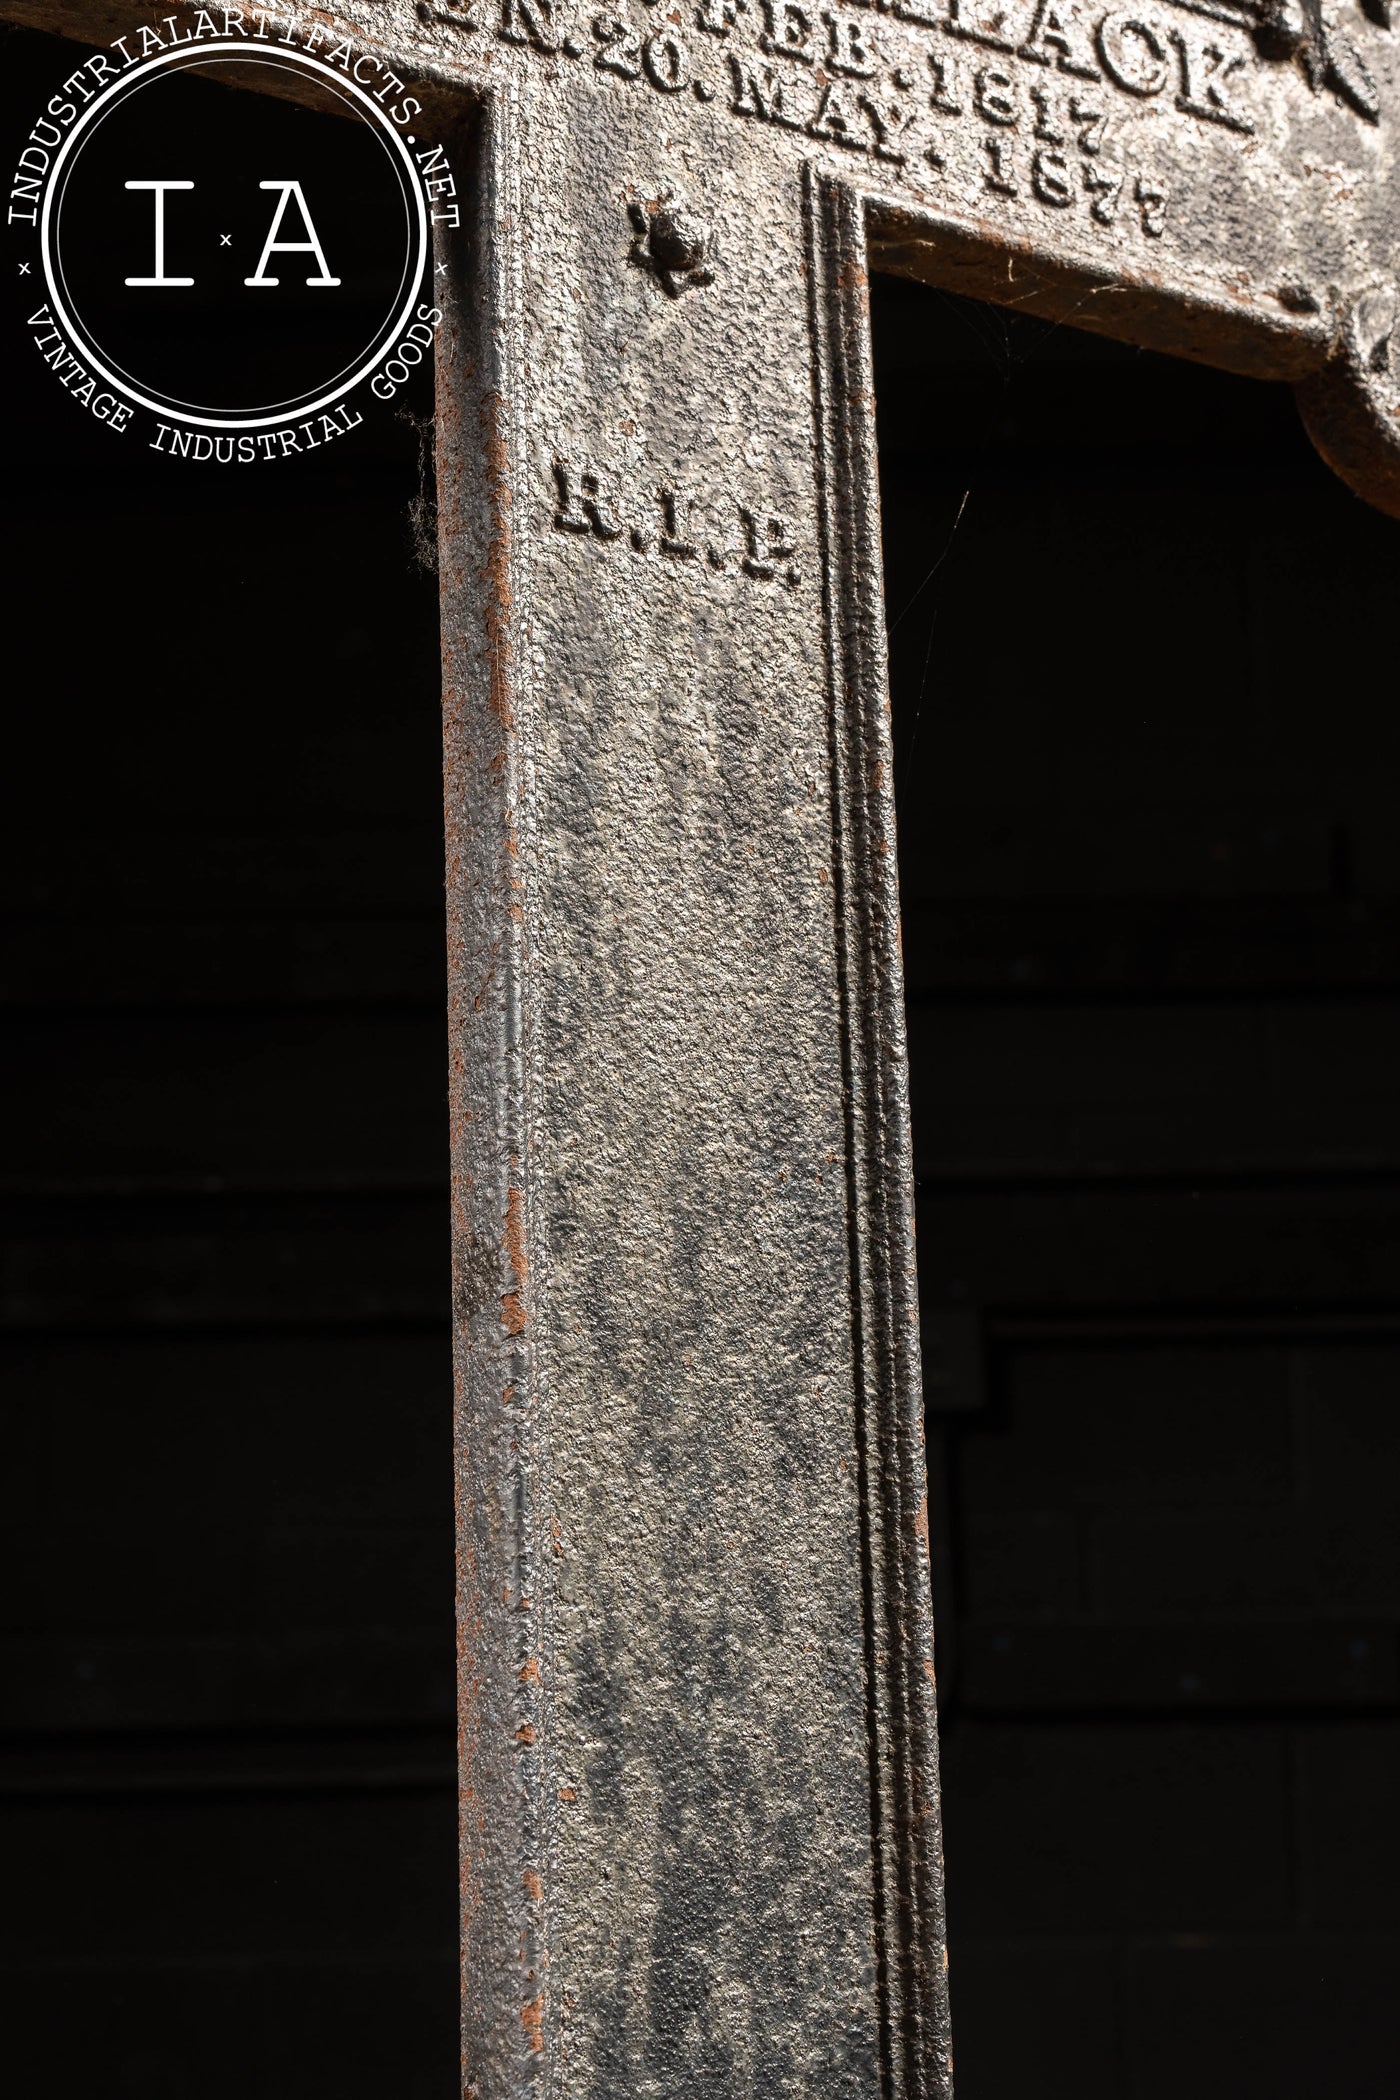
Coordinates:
226 1658
1146 728
1147 746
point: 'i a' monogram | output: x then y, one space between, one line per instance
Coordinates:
271 246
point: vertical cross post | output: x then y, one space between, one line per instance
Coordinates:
699 1809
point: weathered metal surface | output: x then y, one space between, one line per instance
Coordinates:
1211 177
699 1790
698 1768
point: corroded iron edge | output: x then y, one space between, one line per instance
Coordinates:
902 1717
508 1809
1351 408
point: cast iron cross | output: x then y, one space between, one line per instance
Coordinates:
699 1806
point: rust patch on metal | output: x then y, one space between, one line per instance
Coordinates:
513 1242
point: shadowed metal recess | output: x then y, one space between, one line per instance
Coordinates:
698 1769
